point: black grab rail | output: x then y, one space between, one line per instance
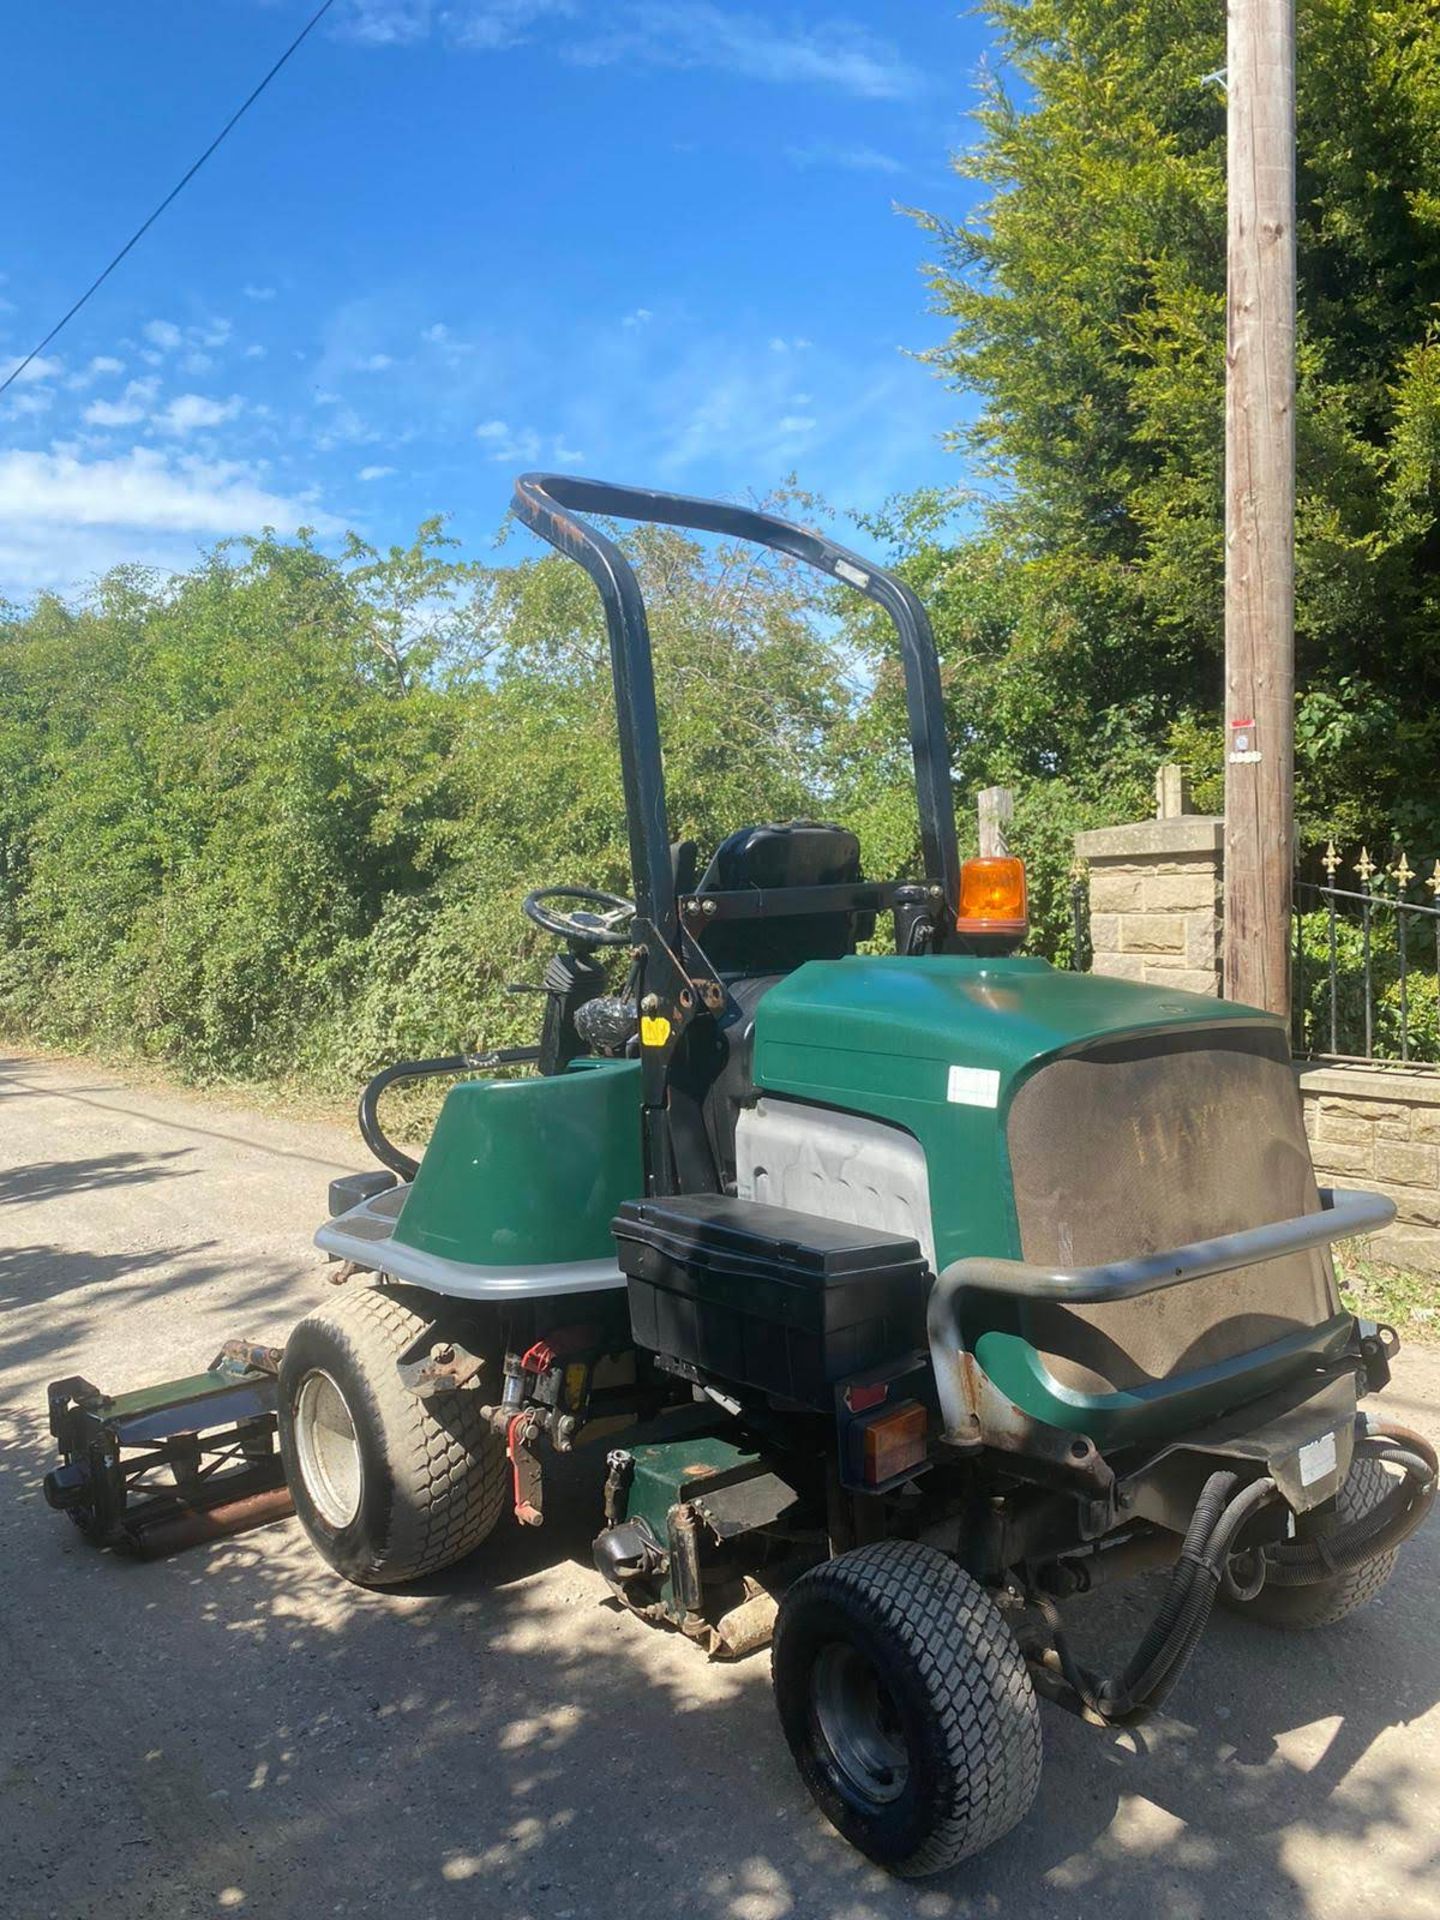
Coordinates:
373 1134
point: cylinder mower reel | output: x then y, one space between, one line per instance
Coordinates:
195 1459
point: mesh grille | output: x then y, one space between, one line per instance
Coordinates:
1150 1144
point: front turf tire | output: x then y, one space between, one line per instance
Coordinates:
388 1486
906 1705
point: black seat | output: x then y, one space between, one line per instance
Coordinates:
795 853
712 1074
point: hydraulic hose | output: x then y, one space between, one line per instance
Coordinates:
1220 1516
1206 1517
1301 1563
1153 1686
1166 1647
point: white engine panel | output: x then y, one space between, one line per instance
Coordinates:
843 1166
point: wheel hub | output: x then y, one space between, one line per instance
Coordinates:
857 1727
328 1449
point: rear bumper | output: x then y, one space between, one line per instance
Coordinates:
976 1407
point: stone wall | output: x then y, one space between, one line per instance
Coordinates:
1155 896
1379 1126
1156 899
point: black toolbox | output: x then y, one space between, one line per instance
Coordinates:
789 1303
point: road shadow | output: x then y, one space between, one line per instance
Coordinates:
56 1179
79 1095
500 1743
30 1276
54 1300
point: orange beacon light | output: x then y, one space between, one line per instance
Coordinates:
992 898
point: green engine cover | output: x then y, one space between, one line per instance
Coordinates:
528 1172
940 1046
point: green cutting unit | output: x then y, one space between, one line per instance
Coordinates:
910 1292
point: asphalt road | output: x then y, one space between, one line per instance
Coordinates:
235 1731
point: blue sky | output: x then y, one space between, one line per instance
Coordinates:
654 240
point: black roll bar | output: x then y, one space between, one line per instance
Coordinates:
550 503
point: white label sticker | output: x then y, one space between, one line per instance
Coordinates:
1317 1459
855 575
974 1086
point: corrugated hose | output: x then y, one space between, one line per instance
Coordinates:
1220 1514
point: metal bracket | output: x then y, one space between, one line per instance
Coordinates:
429 1366
1379 1344
978 1415
683 988
527 1475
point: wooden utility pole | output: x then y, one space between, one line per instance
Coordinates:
1260 502
995 809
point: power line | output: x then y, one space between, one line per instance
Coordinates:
179 187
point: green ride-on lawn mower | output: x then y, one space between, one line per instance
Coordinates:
910 1292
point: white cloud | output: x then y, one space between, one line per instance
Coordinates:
255 352
492 25
133 405
40 400
389 23
641 317
63 517
664 33
258 293
344 427
376 363
39 369
518 444
98 367
479 26
697 33
142 488
374 473
436 335
163 334
165 337
189 411
795 423
851 159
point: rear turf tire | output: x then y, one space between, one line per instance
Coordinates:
389 1487
1323 1603
906 1705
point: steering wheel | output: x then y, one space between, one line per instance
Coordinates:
602 920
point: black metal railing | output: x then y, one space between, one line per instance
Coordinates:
1367 962
1081 951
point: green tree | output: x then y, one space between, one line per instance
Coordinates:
277 817
1083 624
